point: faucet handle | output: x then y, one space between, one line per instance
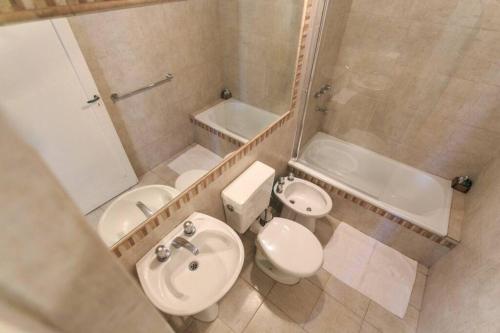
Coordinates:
291 176
279 189
162 253
281 181
189 228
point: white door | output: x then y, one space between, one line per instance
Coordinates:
45 86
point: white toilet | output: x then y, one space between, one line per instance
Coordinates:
286 250
188 178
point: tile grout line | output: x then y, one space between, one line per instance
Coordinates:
257 310
286 314
345 306
312 310
363 320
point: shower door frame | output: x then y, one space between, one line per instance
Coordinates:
313 53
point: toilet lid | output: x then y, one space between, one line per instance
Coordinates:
188 178
291 247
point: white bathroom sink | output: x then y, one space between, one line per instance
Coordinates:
123 215
304 198
175 288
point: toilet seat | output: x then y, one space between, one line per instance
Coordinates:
291 247
188 178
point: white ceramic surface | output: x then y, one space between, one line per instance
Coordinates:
175 289
188 178
123 215
291 247
304 198
412 194
239 120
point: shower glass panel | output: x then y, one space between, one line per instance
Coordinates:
413 81
404 96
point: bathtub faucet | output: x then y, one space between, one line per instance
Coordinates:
226 94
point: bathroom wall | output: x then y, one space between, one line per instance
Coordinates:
463 290
331 39
128 48
260 40
418 81
56 274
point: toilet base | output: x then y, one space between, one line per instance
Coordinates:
272 271
308 222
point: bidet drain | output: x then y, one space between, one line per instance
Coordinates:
309 209
292 201
193 265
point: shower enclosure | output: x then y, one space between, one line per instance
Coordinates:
397 106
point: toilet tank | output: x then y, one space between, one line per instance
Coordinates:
248 195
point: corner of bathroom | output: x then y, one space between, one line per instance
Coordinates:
241 166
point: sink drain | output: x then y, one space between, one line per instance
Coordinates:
292 201
308 209
193 265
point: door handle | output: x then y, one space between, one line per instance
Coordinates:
93 100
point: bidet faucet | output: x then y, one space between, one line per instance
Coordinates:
182 242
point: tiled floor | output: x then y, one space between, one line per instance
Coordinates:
318 304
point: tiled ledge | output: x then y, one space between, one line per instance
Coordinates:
456 216
215 132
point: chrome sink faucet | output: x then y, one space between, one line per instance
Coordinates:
144 209
179 242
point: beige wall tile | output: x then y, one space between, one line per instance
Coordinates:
464 283
81 287
423 80
388 232
128 48
261 49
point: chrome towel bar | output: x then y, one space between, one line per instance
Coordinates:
115 97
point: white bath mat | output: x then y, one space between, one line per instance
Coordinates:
374 269
196 157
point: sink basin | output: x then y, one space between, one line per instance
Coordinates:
123 215
188 284
303 201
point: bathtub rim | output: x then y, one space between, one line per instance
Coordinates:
412 218
202 119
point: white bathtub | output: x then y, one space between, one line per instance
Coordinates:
412 194
236 119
